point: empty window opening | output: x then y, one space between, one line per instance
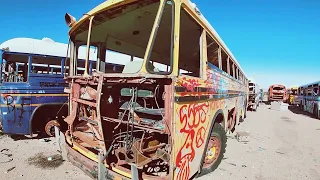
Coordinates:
212 51
189 53
14 68
224 59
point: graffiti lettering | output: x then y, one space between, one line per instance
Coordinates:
53 84
192 118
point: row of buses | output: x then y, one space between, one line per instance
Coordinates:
306 96
143 90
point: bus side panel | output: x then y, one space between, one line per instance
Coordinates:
47 90
26 97
196 103
15 108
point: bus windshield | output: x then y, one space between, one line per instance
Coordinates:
127 30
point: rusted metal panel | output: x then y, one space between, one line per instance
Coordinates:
277 92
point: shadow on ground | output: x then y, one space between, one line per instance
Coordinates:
297 110
17 137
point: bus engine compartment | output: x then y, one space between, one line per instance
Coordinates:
126 119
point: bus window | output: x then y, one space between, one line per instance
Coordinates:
212 51
309 93
82 52
14 68
189 53
231 68
46 65
240 76
224 59
315 90
236 72
161 54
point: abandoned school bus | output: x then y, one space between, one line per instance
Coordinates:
165 115
277 92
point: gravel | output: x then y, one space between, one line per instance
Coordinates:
282 145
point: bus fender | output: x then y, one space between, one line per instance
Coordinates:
37 109
219 112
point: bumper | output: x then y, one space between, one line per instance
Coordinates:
89 166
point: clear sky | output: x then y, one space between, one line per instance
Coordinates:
275 41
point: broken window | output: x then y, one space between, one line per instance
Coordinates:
189 51
46 65
82 53
224 59
14 68
309 93
236 72
212 51
315 90
127 31
162 49
232 74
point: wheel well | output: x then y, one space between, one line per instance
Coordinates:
45 112
230 113
219 119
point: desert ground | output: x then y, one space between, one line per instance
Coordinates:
281 145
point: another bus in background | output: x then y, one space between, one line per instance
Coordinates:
254 96
277 92
32 84
309 99
293 96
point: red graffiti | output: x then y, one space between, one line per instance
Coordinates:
192 118
190 85
200 137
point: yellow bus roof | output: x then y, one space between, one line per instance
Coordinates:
187 3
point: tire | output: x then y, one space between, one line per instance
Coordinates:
218 134
49 128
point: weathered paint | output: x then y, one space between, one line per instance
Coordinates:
193 119
277 95
195 100
20 99
309 98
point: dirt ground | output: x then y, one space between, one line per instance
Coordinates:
282 145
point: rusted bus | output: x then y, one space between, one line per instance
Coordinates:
277 92
165 115
254 95
292 95
308 98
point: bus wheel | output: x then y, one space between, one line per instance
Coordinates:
49 127
215 149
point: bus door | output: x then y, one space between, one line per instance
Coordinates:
15 97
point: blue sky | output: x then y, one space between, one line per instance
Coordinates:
274 41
